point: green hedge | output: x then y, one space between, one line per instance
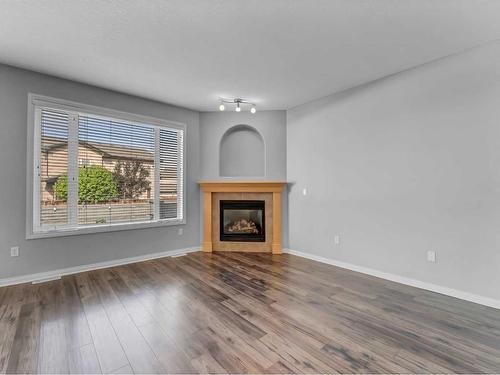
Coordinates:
95 184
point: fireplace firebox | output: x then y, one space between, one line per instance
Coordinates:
242 221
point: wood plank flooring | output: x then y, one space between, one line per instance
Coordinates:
240 313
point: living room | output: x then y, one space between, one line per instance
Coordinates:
249 187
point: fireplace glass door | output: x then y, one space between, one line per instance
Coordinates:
242 221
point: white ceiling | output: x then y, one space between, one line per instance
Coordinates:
278 53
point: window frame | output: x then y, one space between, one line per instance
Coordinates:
35 102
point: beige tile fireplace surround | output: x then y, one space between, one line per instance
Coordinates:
267 191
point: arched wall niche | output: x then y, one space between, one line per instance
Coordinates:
242 153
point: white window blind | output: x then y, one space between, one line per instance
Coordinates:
171 161
95 171
53 162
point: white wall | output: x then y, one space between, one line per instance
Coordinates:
56 253
272 127
401 166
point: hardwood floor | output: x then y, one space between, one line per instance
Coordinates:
240 313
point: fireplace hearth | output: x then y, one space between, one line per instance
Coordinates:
242 221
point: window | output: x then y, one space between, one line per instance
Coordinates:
98 170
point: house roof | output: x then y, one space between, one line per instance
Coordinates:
106 150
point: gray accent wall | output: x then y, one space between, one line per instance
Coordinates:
242 152
55 253
271 125
401 166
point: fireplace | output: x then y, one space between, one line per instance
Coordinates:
267 193
242 221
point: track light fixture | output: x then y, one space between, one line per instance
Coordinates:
239 104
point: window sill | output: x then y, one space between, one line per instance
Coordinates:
102 229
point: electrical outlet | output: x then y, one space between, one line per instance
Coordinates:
304 191
14 251
431 256
336 239
180 231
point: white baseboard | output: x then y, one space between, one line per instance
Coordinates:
486 301
54 275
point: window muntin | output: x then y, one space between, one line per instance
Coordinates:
101 171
